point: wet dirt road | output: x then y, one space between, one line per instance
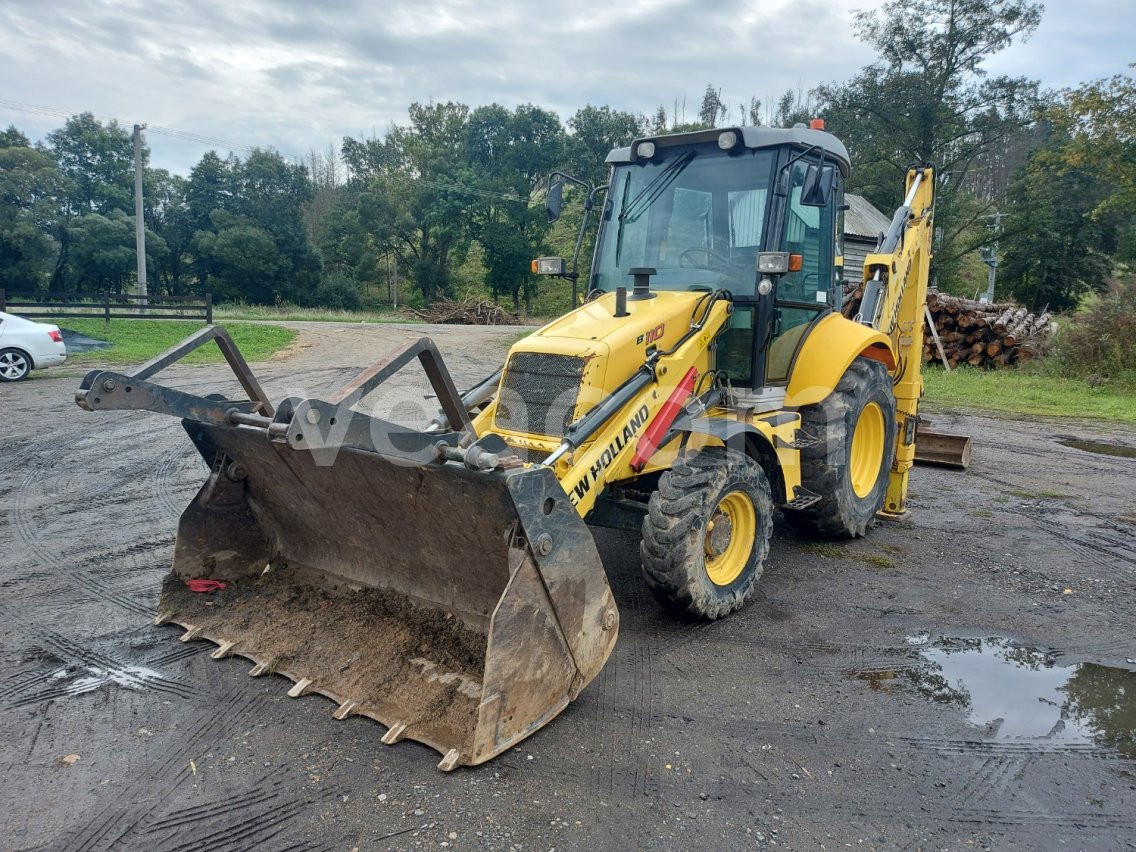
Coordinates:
962 679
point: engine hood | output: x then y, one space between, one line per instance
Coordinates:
559 372
659 321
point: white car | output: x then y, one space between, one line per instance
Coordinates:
27 346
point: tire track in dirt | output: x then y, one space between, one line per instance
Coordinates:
171 476
124 817
624 715
248 831
1091 651
934 814
247 821
28 528
1008 749
180 818
992 778
184 652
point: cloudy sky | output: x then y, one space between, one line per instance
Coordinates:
297 75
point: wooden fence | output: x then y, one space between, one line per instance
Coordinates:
108 306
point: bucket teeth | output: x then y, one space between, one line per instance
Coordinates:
191 633
450 762
302 687
394 734
223 650
260 669
347 708
164 617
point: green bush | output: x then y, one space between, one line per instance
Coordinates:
1099 342
337 292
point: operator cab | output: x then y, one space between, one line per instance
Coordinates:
699 208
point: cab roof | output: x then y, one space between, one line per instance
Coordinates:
752 137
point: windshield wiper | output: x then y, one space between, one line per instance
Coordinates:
645 197
622 209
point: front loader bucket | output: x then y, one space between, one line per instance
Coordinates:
427 582
461 609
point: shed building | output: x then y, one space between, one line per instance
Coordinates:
863 225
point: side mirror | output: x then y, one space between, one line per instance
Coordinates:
554 200
816 191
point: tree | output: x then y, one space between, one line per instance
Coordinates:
595 131
32 193
102 255
1099 119
929 100
1072 205
792 108
99 161
509 154
168 215
1055 249
711 107
243 260
408 192
13 138
235 209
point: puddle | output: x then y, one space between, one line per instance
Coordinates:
1016 693
76 342
1099 447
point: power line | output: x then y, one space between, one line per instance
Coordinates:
182 135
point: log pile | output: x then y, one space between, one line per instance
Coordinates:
976 333
467 312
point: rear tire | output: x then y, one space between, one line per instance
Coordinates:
707 532
14 365
849 465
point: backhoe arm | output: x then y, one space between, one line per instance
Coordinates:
895 293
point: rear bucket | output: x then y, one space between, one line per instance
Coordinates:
460 609
944 450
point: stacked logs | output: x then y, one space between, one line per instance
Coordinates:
467 312
976 333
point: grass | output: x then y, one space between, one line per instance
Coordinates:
134 341
832 550
1044 493
877 560
294 313
1028 394
825 549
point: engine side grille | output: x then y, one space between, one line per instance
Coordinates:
539 393
531 456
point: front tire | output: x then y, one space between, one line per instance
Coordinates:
707 532
849 464
14 365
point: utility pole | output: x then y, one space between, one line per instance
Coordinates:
394 282
139 219
990 256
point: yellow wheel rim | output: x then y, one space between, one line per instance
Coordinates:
867 453
729 538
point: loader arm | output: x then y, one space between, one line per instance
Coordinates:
895 292
602 446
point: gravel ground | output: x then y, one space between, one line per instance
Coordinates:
828 713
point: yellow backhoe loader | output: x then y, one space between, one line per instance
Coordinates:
443 580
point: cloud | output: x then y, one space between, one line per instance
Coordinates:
295 75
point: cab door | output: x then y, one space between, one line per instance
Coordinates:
808 290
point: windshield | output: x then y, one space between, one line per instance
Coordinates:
696 214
